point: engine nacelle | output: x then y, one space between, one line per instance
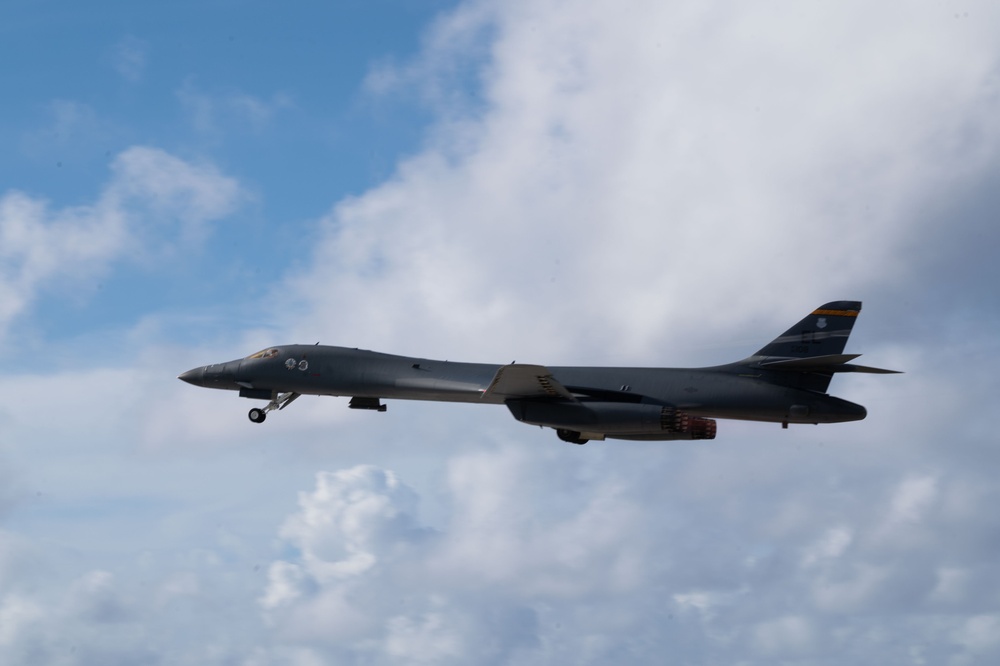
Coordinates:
615 419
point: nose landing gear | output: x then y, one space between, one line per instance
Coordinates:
257 415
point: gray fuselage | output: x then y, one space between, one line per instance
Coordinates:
733 391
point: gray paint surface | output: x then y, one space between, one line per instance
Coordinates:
784 382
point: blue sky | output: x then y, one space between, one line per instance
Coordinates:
551 182
275 99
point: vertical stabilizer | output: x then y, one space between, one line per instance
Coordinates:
823 332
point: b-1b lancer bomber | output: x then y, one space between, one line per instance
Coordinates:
784 382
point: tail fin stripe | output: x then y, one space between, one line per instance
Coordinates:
809 336
836 313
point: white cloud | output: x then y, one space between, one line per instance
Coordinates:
151 195
526 569
94 598
981 635
16 615
70 135
216 113
71 120
848 591
366 579
911 499
164 189
952 585
833 544
431 639
787 636
349 516
454 59
636 179
129 58
497 541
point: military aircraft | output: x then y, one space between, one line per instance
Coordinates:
784 382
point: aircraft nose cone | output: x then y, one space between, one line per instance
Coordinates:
217 376
194 376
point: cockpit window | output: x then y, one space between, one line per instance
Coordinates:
266 353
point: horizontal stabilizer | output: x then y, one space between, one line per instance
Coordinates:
824 364
526 381
868 369
809 362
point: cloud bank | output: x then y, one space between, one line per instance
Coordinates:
654 185
625 171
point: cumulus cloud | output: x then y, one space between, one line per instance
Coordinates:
168 190
630 181
356 521
586 579
350 515
151 195
366 579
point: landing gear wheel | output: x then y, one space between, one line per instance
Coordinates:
571 436
257 415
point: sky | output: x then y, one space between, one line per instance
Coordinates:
648 184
